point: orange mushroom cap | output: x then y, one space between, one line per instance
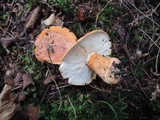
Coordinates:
52 44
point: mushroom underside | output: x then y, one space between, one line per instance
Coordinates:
74 65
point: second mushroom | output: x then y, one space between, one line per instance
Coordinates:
89 57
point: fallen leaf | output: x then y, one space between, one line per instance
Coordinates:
8 77
8 40
120 30
7 104
9 72
33 112
27 80
9 81
18 78
5 41
33 18
85 12
53 20
48 80
21 97
20 114
80 97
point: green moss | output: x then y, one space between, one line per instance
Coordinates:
138 72
64 4
85 107
30 64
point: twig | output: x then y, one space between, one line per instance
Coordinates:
74 111
48 6
156 64
44 95
3 62
150 38
97 16
64 86
139 85
147 74
125 49
155 42
8 25
150 60
101 90
60 96
147 16
57 87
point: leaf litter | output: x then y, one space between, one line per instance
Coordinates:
137 15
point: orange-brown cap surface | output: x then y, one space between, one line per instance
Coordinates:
52 44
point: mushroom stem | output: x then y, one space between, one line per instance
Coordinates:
106 67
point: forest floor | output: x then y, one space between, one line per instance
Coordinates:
41 92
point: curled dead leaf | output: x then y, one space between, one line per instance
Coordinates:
7 104
21 97
53 20
33 18
85 12
48 80
8 40
27 80
9 81
18 78
33 112
120 30
9 72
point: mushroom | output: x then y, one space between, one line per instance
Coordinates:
89 57
52 44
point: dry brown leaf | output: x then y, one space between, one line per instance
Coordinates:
7 104
33 112
9 81
5 41
53 20
49 80
8 40
18 78
27 80
33 18
21 97
20 114
120 30
84 12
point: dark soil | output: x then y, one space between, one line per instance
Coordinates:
134 29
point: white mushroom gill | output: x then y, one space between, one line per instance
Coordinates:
74 65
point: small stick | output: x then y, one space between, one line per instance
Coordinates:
147 16
156 64
94 87
60 96
44 95
74 111
97 16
